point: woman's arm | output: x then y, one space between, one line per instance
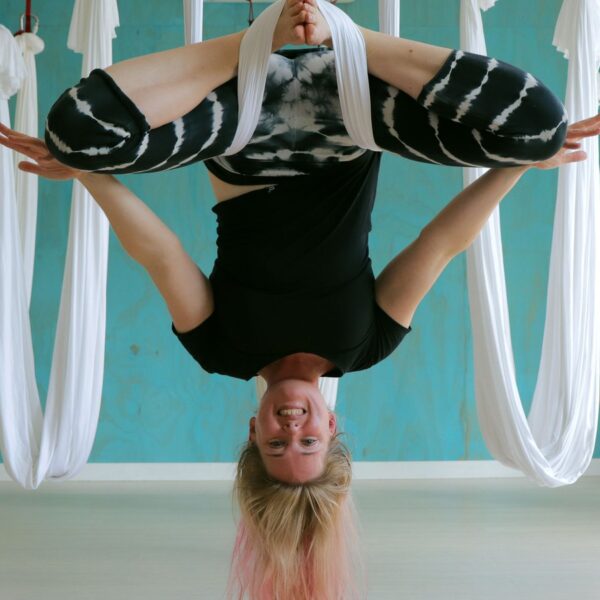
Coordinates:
408 277
185 289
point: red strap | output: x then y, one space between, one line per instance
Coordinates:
28 16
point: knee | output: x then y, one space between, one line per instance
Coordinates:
94 126
549 122
550 143
532 128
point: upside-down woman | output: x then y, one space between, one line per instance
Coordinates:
292 296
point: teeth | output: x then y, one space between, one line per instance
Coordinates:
291 411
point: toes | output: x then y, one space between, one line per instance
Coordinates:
300 18
294 7
296 10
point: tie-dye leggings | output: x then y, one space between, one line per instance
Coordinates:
476 111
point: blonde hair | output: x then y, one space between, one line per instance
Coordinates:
296 541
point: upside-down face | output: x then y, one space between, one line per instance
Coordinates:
292 430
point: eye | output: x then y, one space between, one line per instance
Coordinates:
276 444
310 441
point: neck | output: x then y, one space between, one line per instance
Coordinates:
307 367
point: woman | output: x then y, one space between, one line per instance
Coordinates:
292 295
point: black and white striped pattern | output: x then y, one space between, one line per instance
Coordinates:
476 111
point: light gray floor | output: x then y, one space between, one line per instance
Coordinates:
424 540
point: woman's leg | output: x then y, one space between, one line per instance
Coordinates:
405 64
157 111
166 85
438 105
476 111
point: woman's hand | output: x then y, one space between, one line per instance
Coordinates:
45 164
570 152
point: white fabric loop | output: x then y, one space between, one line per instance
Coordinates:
554 445
30 42
255 51
352 75
351 72
58 444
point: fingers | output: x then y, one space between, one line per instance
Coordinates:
572 157
33 168
52 172
7 130
26 147
28 166
589 122
21 138
584 128
11 133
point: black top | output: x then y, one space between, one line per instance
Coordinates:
293 274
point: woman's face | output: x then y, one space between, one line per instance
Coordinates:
293 443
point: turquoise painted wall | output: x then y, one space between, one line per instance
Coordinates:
158 406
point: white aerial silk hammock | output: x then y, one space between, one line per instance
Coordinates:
12 75
26 121
57 445
555 444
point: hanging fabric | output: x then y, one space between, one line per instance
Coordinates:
389 17
12 75
58 444
555 444
193 18
26 121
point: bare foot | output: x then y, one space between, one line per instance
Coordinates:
317 28
290 27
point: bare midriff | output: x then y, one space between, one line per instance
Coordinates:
226 191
